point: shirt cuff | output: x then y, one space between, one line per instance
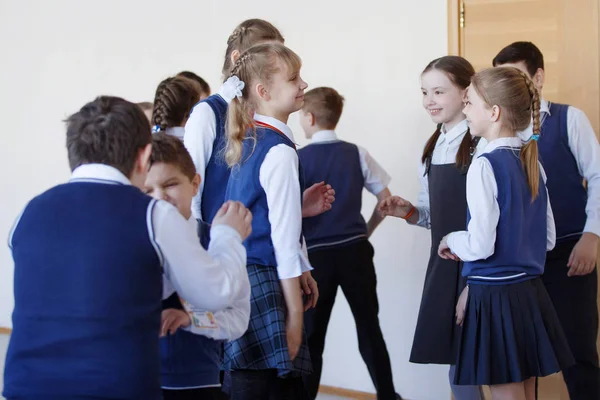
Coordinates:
592 226
295 266
452 239
423 220
225 231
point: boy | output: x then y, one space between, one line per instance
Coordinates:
570 153
337 241
190 360
89 259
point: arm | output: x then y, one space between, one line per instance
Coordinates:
376 182
478 241
376 217
207 279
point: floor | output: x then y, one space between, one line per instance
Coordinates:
4 343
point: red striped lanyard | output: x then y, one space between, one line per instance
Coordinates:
264 125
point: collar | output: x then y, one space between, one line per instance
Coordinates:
99 172
544 106
277 124
503 142
457 131
324 136
177 131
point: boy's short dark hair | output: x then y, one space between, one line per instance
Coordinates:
203 84
169 149
326 104
526 52
108 130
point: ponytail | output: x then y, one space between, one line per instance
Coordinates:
430 145
238 123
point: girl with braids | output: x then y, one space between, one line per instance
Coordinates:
511 333
441 207
173 102
271 357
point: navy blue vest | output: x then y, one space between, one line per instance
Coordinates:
88 289
217 172
188 360
568 196
520 249
338 164
244 186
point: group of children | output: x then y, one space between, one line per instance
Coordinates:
217 213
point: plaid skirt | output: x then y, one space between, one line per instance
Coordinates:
264 345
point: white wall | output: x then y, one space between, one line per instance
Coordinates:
58 55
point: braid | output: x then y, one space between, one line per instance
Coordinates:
535 106
173 102
529 152
160 111
236 34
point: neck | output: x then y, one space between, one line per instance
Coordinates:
313 130
454 121
278 115
494 134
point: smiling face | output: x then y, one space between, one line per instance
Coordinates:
167 182
442 99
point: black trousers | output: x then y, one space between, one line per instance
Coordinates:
575 301
265 385
193 394
350 267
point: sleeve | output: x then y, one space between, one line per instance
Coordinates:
376 178
550 226
199 137
478 241
586 150
209 279
279 178
423 199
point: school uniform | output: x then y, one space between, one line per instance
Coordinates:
191 358
205 140
510 330
341 254
268 181
570 153
89 256
177 131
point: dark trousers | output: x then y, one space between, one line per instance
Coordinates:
265 385
575 301
193 394
350 267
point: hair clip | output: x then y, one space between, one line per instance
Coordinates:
155 129
535 137
233 87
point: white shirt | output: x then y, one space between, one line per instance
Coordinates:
177 131
200 134
228 324
278 176
444 152
211 280
479 240
376 178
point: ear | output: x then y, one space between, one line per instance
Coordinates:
495 113
234 56
311 119
262 92
539 78
196 183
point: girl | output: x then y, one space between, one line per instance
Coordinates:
441 207
173 103
511 333
271 357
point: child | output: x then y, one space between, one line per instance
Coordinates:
570 153
204 86
190 362
89 259
205 134
441 207
337 241
173 103
271 357
511 333
147 108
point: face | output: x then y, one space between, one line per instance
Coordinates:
167 182
285 93
478 113
538 78
441 98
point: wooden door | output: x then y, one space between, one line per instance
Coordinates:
567 33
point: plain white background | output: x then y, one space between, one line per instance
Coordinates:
58 55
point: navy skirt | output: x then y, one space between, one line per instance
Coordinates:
510 333
264 345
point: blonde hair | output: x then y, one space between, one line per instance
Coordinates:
247 34
519 101
257 64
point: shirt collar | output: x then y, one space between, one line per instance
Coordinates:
99 172
177 131
324 136
457 131
503 142
277 124
544 106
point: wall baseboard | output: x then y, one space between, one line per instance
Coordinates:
351 394
5 331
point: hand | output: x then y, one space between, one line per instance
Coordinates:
445 252
293 329
395 206
317 199
234 214
173 319
585 253
310 289
461 306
